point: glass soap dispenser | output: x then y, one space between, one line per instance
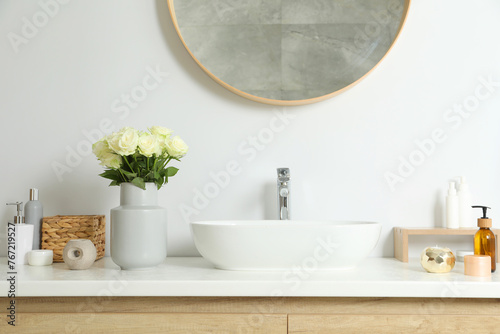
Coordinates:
484 240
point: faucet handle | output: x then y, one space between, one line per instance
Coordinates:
283 174
284 193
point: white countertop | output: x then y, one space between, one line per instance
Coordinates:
194 276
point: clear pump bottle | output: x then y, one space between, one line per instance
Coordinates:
484 239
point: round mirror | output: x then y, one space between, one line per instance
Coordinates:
288 52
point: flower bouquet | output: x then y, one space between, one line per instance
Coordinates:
138 157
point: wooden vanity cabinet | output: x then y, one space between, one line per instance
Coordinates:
243 315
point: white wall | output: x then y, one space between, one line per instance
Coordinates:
66 77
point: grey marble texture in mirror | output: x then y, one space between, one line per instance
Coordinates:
288 51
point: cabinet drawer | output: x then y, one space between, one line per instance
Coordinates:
181 323
392 324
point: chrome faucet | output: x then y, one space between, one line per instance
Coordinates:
284 193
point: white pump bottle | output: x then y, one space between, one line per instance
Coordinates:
466 218
452 208
22 236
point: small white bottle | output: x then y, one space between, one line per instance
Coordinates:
452 213
466 219
33 212
19 235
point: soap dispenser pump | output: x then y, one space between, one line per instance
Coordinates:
22 237
484 240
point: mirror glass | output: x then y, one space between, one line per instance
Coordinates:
288 52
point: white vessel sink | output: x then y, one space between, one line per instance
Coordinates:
285 244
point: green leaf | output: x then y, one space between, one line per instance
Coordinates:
114 183
107 172
111 174
171 171
129 174
141 164
139 182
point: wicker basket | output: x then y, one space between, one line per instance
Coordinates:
57 230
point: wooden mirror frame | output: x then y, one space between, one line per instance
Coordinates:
170 4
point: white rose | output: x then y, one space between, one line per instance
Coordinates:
100 148
176 147
111 160
160 131
163 135
124 142
107 157
149 145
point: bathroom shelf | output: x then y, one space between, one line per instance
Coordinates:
401 238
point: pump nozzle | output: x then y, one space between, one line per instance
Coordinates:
483 221
18 219
485 209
